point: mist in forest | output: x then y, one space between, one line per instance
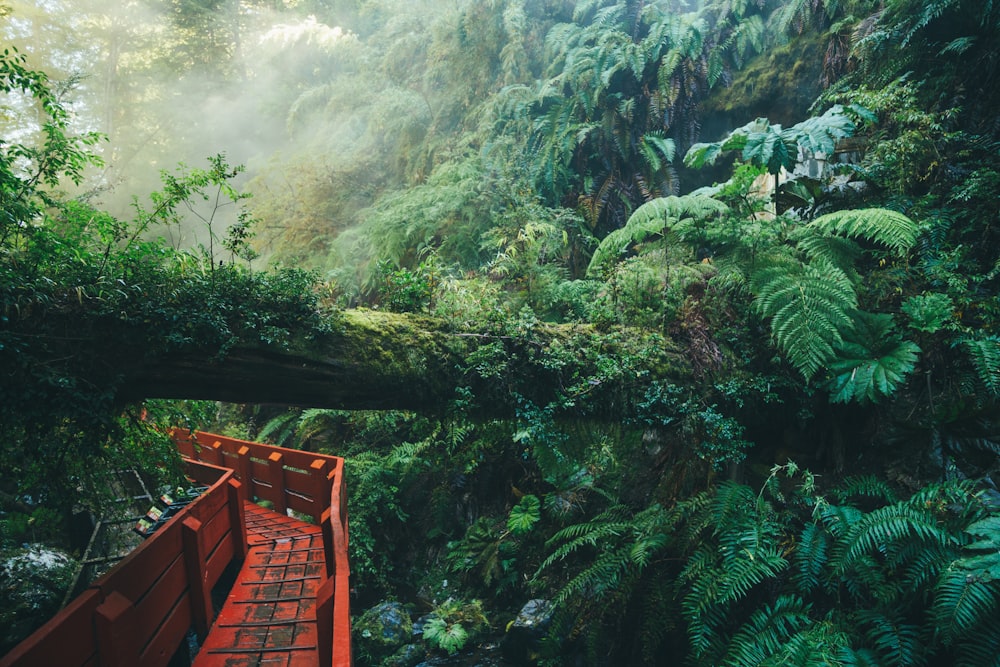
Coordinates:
169 88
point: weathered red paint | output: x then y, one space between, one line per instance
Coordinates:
295 574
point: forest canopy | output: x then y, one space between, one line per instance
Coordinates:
680 315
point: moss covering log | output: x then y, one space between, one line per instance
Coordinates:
377 360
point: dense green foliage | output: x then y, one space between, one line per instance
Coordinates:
778 282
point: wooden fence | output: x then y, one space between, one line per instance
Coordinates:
141 610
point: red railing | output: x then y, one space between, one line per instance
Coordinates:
312 484
140 611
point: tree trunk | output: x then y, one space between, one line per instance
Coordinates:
377 360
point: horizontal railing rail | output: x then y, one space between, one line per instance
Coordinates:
305 482
140 611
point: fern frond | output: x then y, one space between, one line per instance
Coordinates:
767 631
741 572
279 430
897 642
982 649
984 351
653 218
839 519
878 225
819 644
962 603
811 558
809 309
864 485
836 250
884 526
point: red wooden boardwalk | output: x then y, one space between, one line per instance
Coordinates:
269 617
289 606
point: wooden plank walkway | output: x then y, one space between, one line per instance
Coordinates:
269 618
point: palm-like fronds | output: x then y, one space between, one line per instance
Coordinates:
654 218
878 225
809 306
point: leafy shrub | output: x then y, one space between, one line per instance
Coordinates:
453 623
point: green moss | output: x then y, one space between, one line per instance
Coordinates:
780 84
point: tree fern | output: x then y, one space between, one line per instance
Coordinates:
654 218
809 306
878 225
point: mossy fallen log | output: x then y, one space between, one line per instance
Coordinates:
375 360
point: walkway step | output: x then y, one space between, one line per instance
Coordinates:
269 617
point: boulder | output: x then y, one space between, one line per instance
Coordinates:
524 634
33 581
383 629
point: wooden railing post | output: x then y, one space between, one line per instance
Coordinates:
320 488
243 472
194 562
115 624
326 524
216 457
276 478
324 621
237 517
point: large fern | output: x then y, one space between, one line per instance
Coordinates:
984 351
963 603
897 641
652 219
810 307
767 631
878 225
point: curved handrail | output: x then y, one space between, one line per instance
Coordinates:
139 612
278 475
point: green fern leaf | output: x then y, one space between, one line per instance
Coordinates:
896 641
810 558
809 307
865 485
884 526
878 225
985 354
961 603
766 632
654 218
